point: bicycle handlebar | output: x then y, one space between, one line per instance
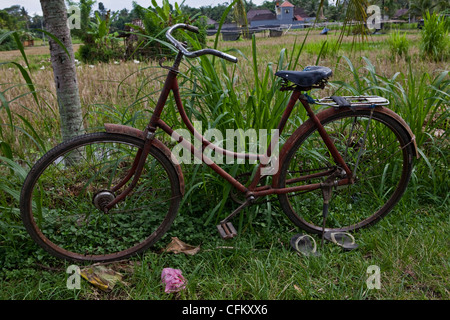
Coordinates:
194 54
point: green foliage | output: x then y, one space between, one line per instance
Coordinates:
99 43
6 42
149 39
93 54
422 101
421 7
323 49
398 45
99 29
13 18
435 42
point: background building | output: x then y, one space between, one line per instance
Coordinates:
286 14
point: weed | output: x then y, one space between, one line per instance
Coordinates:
398 45
435 43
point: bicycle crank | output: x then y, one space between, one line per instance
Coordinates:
225 228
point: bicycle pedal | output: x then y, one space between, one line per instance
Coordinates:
227 230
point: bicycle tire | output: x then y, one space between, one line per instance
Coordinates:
63 193
368 201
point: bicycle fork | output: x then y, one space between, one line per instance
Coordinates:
135 171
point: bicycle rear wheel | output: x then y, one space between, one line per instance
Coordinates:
383 170
64 193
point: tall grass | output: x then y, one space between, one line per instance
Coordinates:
398 45
422 100
435 42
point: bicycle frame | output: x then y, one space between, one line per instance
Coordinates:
252 191
102 174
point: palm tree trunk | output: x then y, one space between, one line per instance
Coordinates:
55 17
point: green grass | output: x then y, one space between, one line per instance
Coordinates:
410 245
398 45
435 42
410 249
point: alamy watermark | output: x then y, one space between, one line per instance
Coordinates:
74 279
374 21
228 149
374 277
74 19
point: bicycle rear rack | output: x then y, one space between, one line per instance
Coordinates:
353 101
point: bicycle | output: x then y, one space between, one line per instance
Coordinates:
108 195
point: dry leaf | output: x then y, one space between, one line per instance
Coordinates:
101 277
178 246
299 290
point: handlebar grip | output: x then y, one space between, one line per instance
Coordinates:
227 57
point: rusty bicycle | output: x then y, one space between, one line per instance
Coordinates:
108 195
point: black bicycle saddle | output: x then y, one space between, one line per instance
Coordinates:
310 76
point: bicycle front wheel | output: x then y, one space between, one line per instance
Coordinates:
376 148
64 194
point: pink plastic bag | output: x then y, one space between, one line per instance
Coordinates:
173 279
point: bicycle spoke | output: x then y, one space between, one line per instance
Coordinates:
70 215
371 149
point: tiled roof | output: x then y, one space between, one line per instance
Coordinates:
286 4
300 12
400 13
264 16
254 12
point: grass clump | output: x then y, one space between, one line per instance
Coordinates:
398 45
435 43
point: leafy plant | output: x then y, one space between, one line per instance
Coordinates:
6 42
435 43
398 45
99 43
155 21
421 100
421 7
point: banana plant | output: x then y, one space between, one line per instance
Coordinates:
99 29
155 21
